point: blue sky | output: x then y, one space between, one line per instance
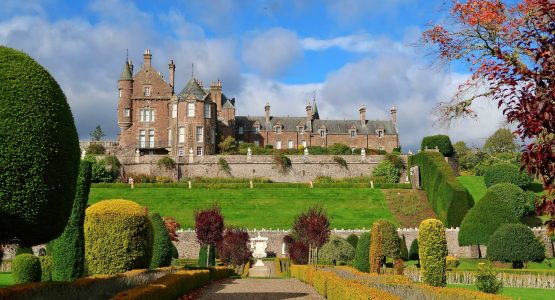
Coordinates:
349 52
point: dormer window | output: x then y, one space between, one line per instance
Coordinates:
380 132
146 91
277 129
300 129
322 133
353 133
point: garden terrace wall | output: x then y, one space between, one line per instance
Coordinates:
303 168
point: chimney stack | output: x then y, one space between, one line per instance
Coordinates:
267 112
147 58
172 73
362 111
394 116
308 113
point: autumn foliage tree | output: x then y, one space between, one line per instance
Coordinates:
209 226
510 49
312 228
172 226
233 249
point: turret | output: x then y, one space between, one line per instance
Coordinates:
125 86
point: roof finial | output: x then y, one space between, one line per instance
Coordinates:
314 96
193 70
127 54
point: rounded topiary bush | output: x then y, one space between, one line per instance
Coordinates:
362 261
505 173
441 141
118 237
45 268
391 243
432 252
514 196
39 154
162 245
26 268
337 249
515 243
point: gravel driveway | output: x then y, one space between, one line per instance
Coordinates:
270 289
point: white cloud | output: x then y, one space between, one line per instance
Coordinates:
351 11
361 43
273 51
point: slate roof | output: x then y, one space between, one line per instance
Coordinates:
126 73
192 88
332 126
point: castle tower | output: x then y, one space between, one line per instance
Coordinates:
125 87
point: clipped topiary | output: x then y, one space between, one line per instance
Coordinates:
203 251
514 196
506 173
486 279
337 249
515 243
353 240
162 246
362 261
68 250
432 252
441 141
45 268
413 251
390 239
483 220
404 253
376 251
39 157
26 268
118 237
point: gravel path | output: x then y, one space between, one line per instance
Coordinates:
271 289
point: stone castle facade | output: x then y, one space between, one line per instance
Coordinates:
154 119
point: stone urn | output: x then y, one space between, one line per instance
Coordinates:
259 245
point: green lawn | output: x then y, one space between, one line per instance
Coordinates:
259 208
517 293
475 186
6 279
472 264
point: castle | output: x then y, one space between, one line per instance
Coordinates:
154 119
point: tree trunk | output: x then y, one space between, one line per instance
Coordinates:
208 255
479 252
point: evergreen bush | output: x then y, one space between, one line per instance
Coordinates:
391 243
452 262
441 141
175 253
45 268
26 268
166 162
486 279
337 249
118 237
202 256
387 171
339 149
23 250
96 149
353 240
39 157
432 252
404 253
501 173
514 196
362 261
413 251
68 250
515 243
376 251
162 246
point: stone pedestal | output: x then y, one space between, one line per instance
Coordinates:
259 245
259 271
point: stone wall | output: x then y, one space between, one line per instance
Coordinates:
304 168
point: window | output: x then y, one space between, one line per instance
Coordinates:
169 137
381 148
257 143
277 129
278 144
174 110
300 129
322 133
289 144
180 151
120 93
303 142
142 139
190 109
151 138
257 130
199 151
380 133
146 115
207 110
146 91
353 133
127 112
181 138
241 131
213 136
200 134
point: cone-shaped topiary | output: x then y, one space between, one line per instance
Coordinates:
39 157
413 251
515 243
432 252
118 237
162 246
376 253
362 261
26 268
68 250
404 253
483 220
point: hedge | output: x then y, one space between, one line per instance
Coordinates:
45 268
203 251
500 173
432 252
448 198
68 250
441 141
39 154
118 237
515 243
26 268
362 261
162 245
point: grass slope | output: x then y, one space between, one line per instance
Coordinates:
475 186
259 208
517 293
410 207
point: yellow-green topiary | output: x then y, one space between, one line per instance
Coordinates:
376 252
118 237
432 252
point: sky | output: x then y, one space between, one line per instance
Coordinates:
347 53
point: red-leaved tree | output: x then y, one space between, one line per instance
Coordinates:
172 226
233 248
209 226
312 228
298 252
510 49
